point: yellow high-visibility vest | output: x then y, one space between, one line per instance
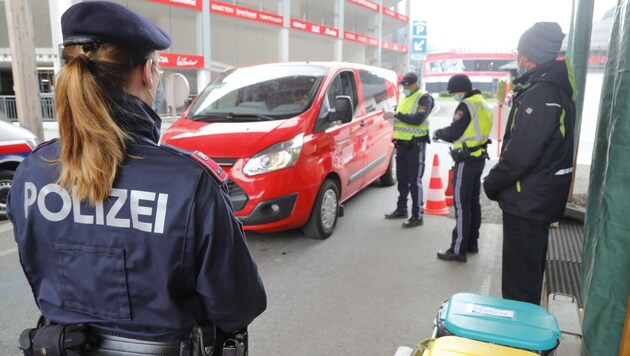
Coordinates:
478 130
409 105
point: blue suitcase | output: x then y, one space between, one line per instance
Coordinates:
500 321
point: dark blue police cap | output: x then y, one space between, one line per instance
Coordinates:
459 83
104 21
409 78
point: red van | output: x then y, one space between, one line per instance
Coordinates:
296 139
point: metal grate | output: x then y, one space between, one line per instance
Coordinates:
565 242
564 259
564 277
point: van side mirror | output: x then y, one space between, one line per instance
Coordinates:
343 109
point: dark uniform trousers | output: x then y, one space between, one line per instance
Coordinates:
524 256
466 183
410 162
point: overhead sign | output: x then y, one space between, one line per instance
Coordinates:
246 13
419 28
314 28
356 37
419 45
419 38
174 60
190 4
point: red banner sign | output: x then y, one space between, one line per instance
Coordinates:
366 3
355 37
174 60
314 28
189 4
396 15
395 46
245 13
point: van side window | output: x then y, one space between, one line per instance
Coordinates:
374 91
343 84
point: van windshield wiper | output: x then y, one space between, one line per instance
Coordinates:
230 116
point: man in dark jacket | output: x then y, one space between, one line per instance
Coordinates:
532 178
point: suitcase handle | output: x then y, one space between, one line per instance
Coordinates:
423 346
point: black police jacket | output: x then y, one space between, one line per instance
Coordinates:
163 253
533 175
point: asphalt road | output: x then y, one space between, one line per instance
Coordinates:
369 288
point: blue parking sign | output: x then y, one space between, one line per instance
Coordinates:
419 45
419 28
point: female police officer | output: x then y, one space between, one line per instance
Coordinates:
115 232
469 132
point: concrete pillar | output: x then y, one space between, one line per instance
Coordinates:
57 8
339 24
205 43
283 39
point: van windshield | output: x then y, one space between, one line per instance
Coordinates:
272 92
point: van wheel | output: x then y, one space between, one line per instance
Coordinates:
6 177
389 178
323 219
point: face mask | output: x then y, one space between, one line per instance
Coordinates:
406 92
159 97
520 71
458 98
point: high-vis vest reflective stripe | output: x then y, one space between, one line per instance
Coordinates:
408 105
478 130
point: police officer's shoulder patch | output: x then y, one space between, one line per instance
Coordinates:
458 115
421 108
210 165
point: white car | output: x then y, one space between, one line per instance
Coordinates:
15 144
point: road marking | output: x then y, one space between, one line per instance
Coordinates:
8 252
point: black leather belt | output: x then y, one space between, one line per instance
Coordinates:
108 345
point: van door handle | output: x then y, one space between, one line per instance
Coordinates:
363 123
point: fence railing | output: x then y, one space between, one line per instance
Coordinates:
8 108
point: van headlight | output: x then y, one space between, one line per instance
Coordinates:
278 156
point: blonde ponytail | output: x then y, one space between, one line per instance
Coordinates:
92 145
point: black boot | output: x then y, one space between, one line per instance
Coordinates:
449 255
413 222
396 214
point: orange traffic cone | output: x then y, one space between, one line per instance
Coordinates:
448 193
436 203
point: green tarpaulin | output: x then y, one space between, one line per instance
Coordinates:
606 253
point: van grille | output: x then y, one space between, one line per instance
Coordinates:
237 195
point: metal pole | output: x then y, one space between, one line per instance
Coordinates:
571 29
580 45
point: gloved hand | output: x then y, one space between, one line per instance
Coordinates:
435 138
389 114
492 195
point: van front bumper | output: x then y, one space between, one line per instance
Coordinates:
270 211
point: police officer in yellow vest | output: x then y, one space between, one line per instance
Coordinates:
469 133
411 135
